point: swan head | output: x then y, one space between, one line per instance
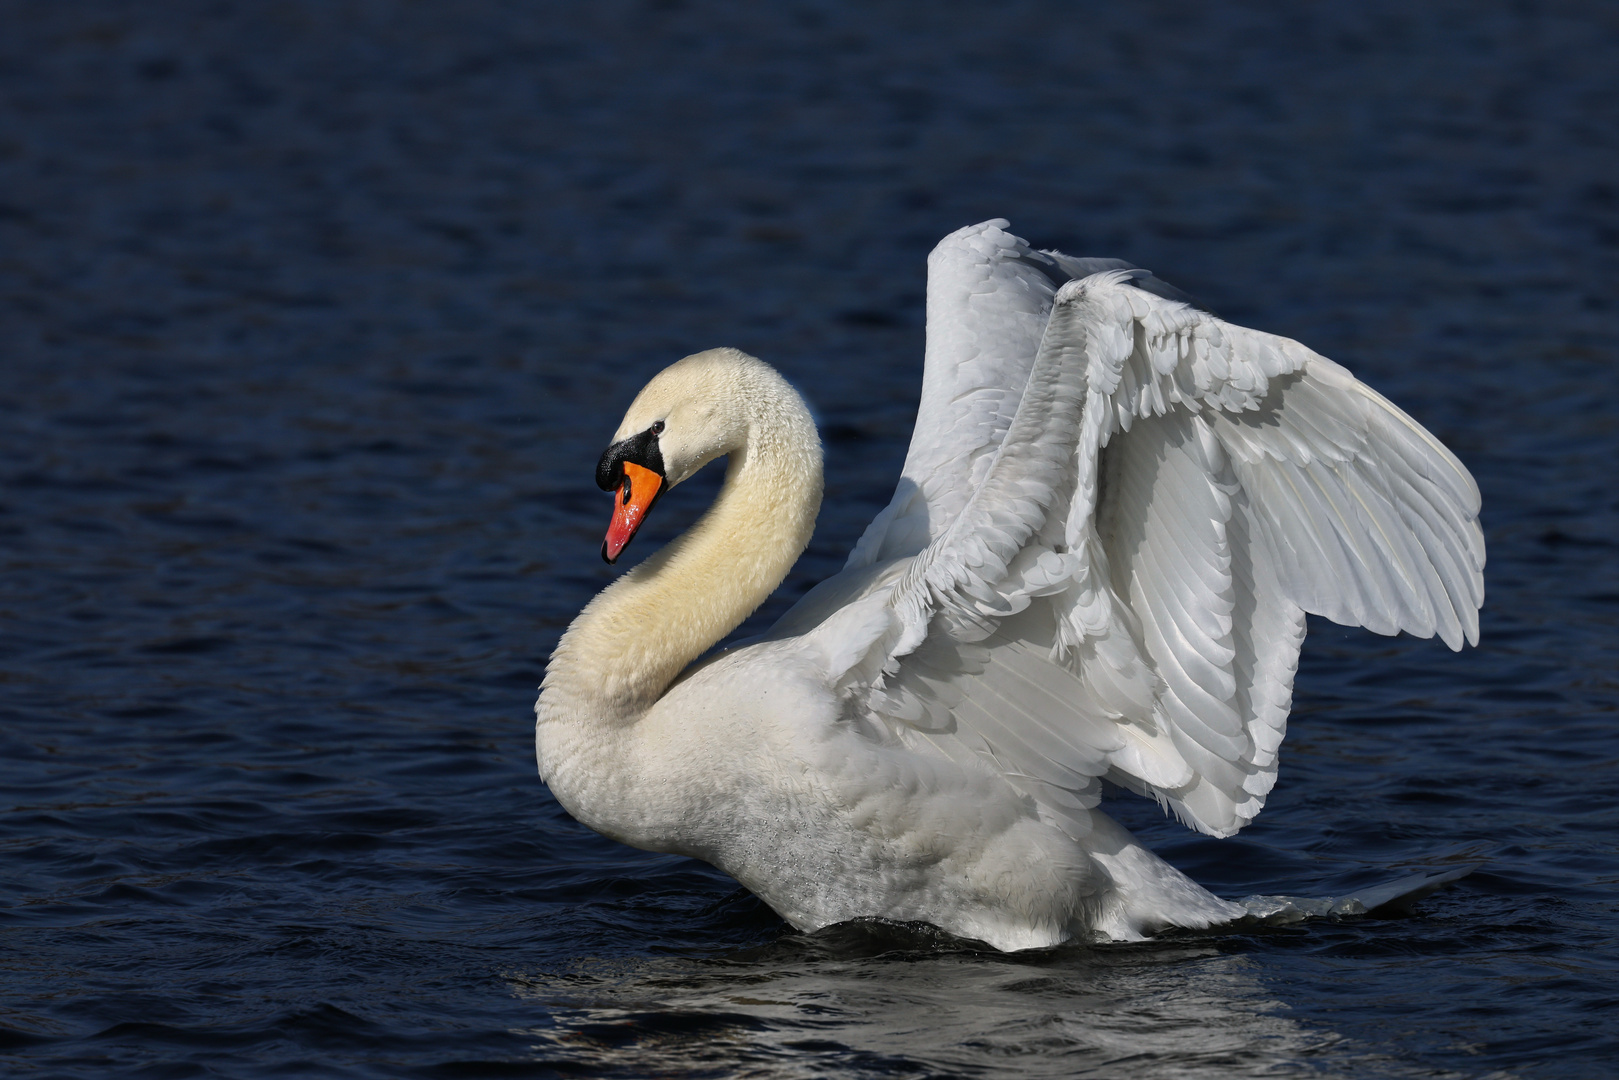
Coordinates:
693 411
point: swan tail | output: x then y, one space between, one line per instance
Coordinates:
1391 898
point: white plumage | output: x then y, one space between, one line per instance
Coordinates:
1114 514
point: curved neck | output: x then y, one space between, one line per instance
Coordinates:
638 634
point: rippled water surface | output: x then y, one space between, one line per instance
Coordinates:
316 316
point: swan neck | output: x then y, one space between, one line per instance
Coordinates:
638 634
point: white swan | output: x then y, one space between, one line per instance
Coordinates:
1115 512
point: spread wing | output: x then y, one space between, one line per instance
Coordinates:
1115 513
988 299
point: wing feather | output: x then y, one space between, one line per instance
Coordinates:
1114 515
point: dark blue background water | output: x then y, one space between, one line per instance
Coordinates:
317 314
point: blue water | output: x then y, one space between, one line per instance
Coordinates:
317 314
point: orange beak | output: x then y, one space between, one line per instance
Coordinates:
631 502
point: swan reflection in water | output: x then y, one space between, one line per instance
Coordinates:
823 1003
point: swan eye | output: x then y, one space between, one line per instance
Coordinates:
657 427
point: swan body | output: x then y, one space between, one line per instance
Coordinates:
1115 512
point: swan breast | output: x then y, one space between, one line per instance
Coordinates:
827 817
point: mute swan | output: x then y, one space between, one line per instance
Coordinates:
1115 512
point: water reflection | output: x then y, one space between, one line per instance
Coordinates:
881 1001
